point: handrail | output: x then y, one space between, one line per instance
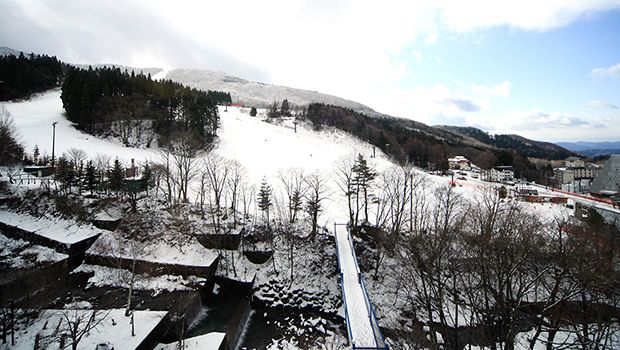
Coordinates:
344 297
378 337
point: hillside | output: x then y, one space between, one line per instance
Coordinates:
257 94
522 145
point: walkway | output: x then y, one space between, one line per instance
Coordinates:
362 326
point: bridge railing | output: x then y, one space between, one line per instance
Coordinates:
378 336
344 297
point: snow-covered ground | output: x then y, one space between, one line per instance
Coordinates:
19 254
112 277
189 253
253 93
57 229
209 341
33 120
114 329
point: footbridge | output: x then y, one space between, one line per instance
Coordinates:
362 327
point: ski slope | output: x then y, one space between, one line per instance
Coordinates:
264 149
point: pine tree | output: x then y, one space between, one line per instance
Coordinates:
273 111
146 177
90 176
116 176
253 112
65 173
362 181
35 154
285 110
264 199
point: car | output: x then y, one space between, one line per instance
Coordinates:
462 178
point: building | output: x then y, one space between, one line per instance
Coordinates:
607 182
459 163
501 174
576 179
574 162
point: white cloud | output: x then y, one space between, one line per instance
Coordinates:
607 72
596 103
502 89
463 16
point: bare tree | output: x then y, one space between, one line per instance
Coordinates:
216 170
184 150
235 181
345 181
74 325
295 187
77 156
315 194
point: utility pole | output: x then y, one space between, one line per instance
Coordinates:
53 141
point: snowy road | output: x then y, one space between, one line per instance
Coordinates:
357 305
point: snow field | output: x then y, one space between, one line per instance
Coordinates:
209 341
114 329
57 229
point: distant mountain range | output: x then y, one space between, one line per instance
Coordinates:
592 149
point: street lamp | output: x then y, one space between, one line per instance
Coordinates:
53 141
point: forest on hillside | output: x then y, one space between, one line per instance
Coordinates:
412 144
135 108
27 74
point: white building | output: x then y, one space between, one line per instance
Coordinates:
459 163
499 174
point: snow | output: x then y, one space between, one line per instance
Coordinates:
19 254
108 276
114 329
266 149
57 229
209 341
33 119
256 94
190 253
355 299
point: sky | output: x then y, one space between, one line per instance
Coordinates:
547 70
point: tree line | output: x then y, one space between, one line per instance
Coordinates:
106 99
24 75
407 141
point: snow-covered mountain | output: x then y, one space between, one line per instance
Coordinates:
257 94
6 51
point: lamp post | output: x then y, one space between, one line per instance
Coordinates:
53 141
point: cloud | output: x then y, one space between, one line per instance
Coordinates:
502 89
607 72
463 16
596 103
461 104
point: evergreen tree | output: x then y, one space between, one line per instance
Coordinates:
65 173
116 176
253 112
264 199
362 180
285 110
35 154
147 175
90 176
273 111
